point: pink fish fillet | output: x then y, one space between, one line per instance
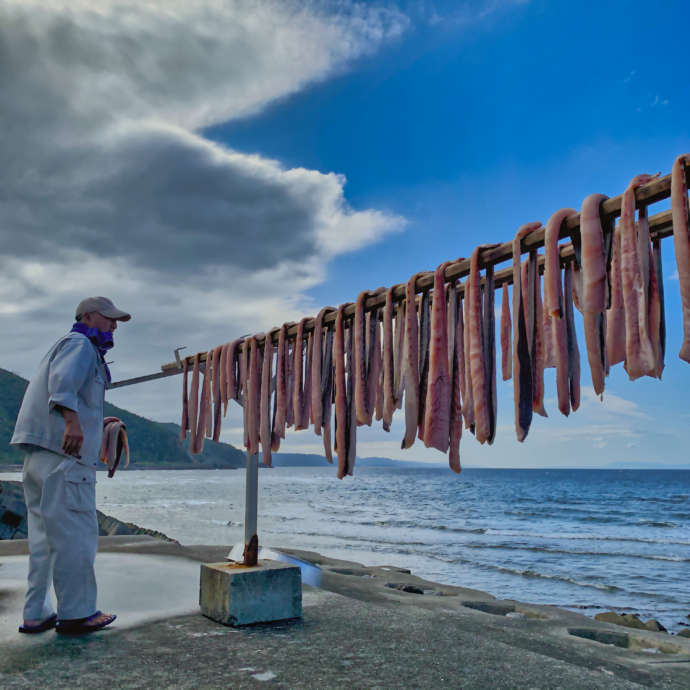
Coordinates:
489 342
360 361
467 397
539 358
299 355
194 404
216 393
252 401
594 287
615 316
230 373
657 289
553 298
522 360
506 336
351 439
437 411
341 422
399 355
456 383
278 432
639 357
184 423
327 393
571 338
477 351
388 363
681 243
316 364
223 378
265 406
411 364
202 421
374 366
655 307
290 412
243 388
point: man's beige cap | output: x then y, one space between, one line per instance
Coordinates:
103 306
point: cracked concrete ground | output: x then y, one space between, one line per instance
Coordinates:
359 629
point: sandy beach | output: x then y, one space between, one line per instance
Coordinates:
360 628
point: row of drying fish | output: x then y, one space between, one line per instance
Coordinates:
437 353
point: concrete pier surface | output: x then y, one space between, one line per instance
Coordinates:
365 627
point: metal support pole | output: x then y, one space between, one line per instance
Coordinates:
251 499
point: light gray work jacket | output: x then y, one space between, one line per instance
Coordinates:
72 375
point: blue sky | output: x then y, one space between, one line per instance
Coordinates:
468 128
221 169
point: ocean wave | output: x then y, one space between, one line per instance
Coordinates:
579 537
654 523
568 552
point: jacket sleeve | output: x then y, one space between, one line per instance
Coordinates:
68 372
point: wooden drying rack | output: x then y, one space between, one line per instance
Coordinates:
660 226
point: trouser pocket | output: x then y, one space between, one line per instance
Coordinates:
80 488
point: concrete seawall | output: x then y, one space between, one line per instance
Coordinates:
365 627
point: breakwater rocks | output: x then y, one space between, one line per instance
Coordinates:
13 524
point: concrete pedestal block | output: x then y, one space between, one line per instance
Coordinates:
233 594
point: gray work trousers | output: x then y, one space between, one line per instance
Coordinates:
60 499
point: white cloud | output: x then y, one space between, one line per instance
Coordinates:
109 186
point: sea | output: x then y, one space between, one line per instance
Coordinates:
586 540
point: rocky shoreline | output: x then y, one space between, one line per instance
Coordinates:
13 523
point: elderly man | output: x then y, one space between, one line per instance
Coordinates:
60 425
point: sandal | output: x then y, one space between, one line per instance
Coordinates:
47 624
81 626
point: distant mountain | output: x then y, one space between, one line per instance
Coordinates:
152 444
305 460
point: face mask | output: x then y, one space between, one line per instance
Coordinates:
103 340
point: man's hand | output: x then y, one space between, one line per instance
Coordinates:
74 436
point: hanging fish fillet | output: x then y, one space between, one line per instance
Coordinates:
615 316
451 299
265 403
306 390
547 334
203 413
681 243
467 397
571 338
374 364
280 404
327 393
216 393
290 369
388 363
184 423
424 340
522 361
360 363
243 388
208 374
351 439
539 358
399 355
411 364
341 410
193 405
489 342
594 287
253 397
553 297
113 442
655 316
316 377
437 410
455 383
223 377
233 391
662 316
506 336
299 355
639 358
478 364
